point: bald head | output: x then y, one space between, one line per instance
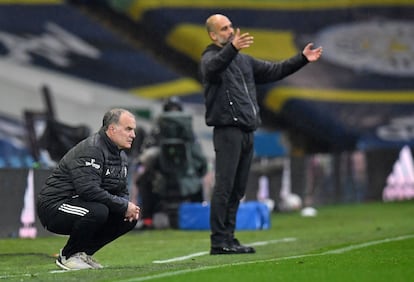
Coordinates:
212 21
220 29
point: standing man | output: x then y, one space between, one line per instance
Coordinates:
86 196
229 79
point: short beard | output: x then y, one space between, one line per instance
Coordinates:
226 41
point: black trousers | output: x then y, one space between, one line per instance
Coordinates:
90 225
234 151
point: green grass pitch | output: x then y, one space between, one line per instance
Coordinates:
357 242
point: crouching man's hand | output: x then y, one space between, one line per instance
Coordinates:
132 212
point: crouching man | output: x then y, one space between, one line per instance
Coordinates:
86 195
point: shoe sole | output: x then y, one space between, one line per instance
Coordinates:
61 265
58 263
214 254
246 250
235 251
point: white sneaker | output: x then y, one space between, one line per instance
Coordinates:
92 262
75 262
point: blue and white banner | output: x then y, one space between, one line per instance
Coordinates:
60 38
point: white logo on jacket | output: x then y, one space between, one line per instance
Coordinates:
93 164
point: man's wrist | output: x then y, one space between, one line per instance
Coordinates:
234 46
304 57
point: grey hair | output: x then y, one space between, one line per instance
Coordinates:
209 24
112 117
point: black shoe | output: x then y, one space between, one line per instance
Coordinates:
223 251
241 249
233 248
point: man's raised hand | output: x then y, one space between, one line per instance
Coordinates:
312 54
241 41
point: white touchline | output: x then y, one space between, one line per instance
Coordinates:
181 258
178 272
263 243
336 251
283 240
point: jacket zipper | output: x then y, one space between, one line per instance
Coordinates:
247 91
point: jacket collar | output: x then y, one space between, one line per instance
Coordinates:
228 48
109 143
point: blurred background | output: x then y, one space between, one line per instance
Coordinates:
338 131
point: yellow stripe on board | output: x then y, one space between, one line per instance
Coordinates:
30 2
139 7
280 95
189 39
179 87
269 45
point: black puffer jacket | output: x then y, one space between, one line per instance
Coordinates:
94 170
229 80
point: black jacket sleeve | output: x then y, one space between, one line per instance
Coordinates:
266 71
